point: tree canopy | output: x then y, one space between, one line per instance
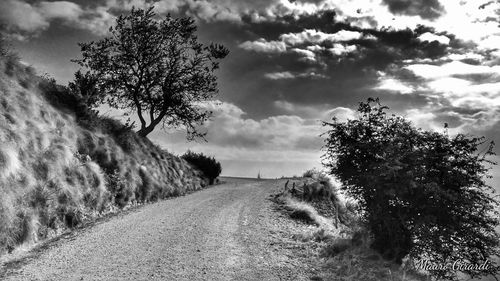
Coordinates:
155 68
423 194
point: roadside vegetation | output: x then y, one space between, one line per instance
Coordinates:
208 165
422 194
413 197
337 241
62 163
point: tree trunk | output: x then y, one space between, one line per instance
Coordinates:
146 130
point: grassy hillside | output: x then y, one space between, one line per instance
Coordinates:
57 171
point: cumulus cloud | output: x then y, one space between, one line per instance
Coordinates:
230 128
60 10
287 140
451 68
213 11
28 17
465 56
19 16
427 9
317 112
305 55
24 19
342 114
308 37
280 75
466 96
430 37
339 49
227 10
311 36
290 75
264 46
459 119
393 85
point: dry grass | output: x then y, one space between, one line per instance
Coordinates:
341 251
346 259
303 211
55 174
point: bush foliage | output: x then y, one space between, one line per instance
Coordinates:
208 165
423 194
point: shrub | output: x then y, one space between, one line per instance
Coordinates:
422 193
85 87
68 99
310 173
208 165
120 188
3 47
11 63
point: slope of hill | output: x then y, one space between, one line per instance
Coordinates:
56 173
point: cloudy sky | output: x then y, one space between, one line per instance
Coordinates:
296 62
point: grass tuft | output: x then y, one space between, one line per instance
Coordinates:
337 240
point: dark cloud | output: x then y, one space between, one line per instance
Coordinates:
426 9
349 77
381 46
324 21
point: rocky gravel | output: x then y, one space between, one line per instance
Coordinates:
228 232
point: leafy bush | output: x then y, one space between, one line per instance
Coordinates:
208 165
85 87
320 188
3 47
80 99
64 98
310 173
422 193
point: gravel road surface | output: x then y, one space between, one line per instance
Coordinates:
226 232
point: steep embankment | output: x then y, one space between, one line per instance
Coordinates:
54 173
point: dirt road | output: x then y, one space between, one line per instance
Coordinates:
226 232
